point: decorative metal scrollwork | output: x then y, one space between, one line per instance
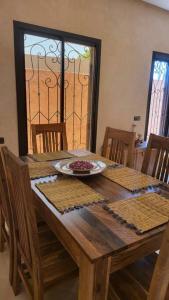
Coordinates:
159 93
43 61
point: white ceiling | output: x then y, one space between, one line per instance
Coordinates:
161 3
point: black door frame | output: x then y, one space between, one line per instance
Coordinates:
20 29
161 57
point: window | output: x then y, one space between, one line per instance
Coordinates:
158 98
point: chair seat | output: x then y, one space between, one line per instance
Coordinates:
133 282
56 262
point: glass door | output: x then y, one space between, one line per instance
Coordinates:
57 80
158 101
78 76
42 77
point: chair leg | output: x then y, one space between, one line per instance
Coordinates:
2 243
38 291
38 295
11 260
2 225
16 281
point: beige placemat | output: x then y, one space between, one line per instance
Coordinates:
142 213
51 156
67 194
41 169
130 179
94 156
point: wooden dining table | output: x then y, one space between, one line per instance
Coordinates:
98 243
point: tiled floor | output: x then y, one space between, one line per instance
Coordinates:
61 291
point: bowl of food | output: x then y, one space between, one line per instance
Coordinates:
81 166
77 167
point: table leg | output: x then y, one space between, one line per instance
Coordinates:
94 279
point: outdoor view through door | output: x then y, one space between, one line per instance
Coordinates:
158 101
43 83
56 82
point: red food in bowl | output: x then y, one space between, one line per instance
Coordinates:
81 165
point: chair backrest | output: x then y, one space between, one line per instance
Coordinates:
4 195
160 280
119 146
21 200
156 158
52 137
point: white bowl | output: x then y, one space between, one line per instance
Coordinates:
63 167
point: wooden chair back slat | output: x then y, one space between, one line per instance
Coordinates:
117 143
160 163
53 142
23 213
116 150
111 150
49 142
157 155
57 141
165 165
6 219
4 201
53 137
166 171
44 142
121 151
158 147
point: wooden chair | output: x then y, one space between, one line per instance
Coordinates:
147 279
156 158
119 146
40 259
52 137
6 228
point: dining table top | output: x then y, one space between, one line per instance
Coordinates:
96 232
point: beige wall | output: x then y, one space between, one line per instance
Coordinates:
130 30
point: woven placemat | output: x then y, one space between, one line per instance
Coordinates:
67 194
94 156
142 213
41 169
130 179
51 156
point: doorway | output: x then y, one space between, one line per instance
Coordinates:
57 80
158 98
